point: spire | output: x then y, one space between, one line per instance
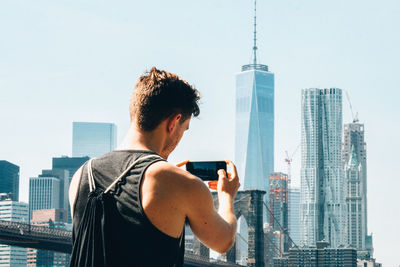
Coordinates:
353 160
255 34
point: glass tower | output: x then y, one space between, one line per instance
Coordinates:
9 179
93 139
254 139
294 214
322 197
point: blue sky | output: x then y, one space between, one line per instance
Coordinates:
65 61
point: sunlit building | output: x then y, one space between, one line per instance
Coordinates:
93 139
322 198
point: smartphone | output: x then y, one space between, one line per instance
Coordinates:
206 170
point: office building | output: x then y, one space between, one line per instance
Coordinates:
322 194
294 215
44 193
16 212
355 166
71 165
278 207
9 179
52 218
93 139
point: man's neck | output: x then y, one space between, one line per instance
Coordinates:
137 139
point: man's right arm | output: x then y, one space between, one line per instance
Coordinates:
216 229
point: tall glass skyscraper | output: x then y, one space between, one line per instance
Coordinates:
322 198
93 139
355 166
254 139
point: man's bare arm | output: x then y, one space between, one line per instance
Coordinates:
73 189
216 229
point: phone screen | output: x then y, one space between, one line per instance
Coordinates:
205 170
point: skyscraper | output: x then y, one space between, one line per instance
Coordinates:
355 166
294 214
16 212
9 179
44 193
93 139
322 198
254 130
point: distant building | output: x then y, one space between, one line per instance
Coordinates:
93 139
52 218
355 166
16 212
278 205
322 256
368 263
322 196
294 215
71 165
44 193
9 179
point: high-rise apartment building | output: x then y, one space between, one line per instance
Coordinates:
294 215
9 179
93 139
17 212
355 166
322 198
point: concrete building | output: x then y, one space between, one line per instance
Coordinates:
53 218
93 139
322 197
9 179
294 215
17 212
355 166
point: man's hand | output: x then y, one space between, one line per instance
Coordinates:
226 184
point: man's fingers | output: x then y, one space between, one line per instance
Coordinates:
182 163
221 173
213 185
233 168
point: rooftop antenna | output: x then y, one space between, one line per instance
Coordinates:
255 34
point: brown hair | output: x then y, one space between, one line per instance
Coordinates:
159 94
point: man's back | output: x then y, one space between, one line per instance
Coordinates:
131 239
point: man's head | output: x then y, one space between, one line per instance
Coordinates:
162 97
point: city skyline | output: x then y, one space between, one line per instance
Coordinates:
43 64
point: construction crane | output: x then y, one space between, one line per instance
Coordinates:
354 117
288 161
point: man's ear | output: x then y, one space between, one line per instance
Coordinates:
173 121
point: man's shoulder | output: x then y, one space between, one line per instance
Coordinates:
164 172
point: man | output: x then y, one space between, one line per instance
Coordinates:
142 215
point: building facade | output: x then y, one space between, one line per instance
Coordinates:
322 199
294 215
93 139
44 193
17 212
254 134
278 206
355 164
9 179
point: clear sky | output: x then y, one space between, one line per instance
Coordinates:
64 61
